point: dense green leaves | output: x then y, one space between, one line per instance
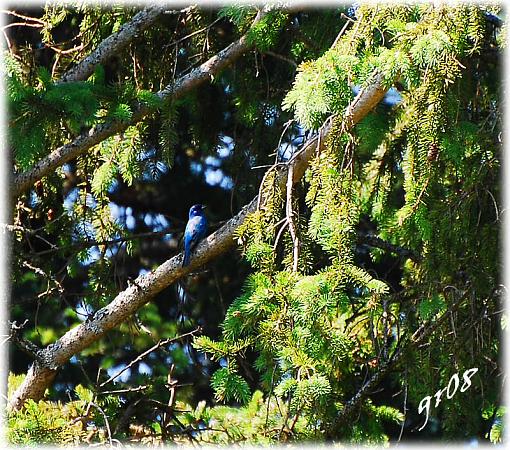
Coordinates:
321 87
230 386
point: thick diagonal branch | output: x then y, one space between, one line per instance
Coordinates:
145 287
94 136
113 44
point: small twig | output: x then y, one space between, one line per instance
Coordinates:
269 396
285 128
14 228
495 205
9 45
66 52
296 417
342 31
25 345
286 418
192 34
405 410
124 391
280 232
55 65
150 350
171 384
21 16
105 420
262 185
46 275
22 24
282 57
267 166
15 328
290 220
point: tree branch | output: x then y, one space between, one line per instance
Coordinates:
142 355
94 136
145 287
113 44
290 219
374 241
26 346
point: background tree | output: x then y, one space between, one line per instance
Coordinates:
362 287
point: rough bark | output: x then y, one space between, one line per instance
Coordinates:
113 44
143 289
94 136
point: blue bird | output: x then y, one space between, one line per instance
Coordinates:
195 230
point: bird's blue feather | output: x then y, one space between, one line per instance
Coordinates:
195 231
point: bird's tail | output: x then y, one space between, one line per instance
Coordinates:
181 300
181 293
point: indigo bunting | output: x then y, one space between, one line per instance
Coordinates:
195 230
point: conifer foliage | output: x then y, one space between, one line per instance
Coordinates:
391 234
316 330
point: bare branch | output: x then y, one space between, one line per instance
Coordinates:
26 346
281 57
290 219
94 136
22 24
105 421
201 30
145 287
161 343
140 388
21 16
171 383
